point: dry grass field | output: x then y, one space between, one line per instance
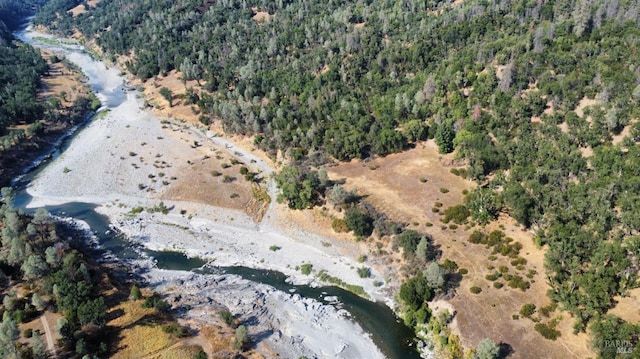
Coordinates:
406 187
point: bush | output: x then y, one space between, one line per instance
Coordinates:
547 331
175 330
498 285
518 282
306 268
475 290
457 214
444 190
527 310
27 333
364 272
242 338
227 317
274 248
476 237
359 222
339 225
135 293
548 309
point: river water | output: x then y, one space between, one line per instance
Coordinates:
388 332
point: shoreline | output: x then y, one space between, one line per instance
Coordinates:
226 236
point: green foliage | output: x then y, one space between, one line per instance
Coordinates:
306 268
613 336
409 240
167 94
475 290
444 137
416 291
359 222
135 293
227 317
458 214
364 272
175 330
241 340
155 301
486 349
527 310
547 331
300 188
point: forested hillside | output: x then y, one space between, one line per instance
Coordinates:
540 98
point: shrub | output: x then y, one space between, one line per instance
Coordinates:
457 214
463 271
493 276
274 248
548 309
339 225
364 272
27 333
518 282
227 317
306 268
242 338
176 330
135 293
444 190
547 331
359 222
527 310
476 237
449 265
518 261
475 290
498 285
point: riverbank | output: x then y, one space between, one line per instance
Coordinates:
63 85
129 164
287 324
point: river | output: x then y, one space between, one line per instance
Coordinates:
389 334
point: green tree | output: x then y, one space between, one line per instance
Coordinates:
167 94
9 334
135 293
38 348
487 349
444 137
434 276
242 338
359 222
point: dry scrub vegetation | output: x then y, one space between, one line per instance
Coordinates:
406 187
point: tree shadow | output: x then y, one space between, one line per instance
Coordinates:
257 338
505 350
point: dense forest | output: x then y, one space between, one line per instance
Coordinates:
29 124
20 70
540 98
39 271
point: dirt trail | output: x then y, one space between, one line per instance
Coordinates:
47 334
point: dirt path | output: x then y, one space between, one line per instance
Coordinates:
47 334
